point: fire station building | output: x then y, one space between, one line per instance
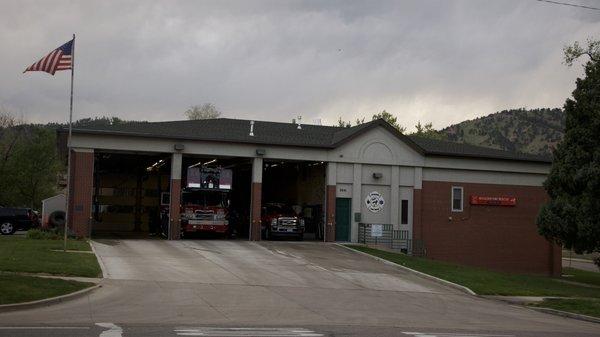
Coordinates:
368 183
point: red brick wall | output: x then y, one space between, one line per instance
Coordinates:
495 237
175 210
330 207
417 221
255 209
81 184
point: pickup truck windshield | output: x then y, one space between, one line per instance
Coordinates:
280 209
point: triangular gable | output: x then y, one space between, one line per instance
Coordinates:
344 136
377 143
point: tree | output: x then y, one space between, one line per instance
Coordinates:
572 216
204 111
386 116
575 51
100 121
34 168
10 134
10 131
427 131
29 162
343 124
391 119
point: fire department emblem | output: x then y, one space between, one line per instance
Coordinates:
374 202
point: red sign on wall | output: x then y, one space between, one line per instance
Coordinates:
493 201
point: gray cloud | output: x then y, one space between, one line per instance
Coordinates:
439 61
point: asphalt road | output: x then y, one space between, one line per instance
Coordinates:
239 288
112 330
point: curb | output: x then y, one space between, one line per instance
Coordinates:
94 280
517 300
48 301
72 251
577 260
421 274
566 314
100 263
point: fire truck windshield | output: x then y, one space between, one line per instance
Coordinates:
205 198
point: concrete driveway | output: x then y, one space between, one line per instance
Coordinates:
240 263
277 283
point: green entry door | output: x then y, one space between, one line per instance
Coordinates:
342 219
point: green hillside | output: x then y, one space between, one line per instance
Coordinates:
535 131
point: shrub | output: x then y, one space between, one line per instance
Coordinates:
43 234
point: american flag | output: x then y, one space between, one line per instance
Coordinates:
58 59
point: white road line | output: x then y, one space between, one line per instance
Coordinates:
44 328
250 333
452 334
254 332
113 330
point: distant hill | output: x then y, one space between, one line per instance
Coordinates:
91 122
535 131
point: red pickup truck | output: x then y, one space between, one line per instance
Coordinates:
280 220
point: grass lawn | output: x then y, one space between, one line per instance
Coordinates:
485 282
19 254
17 288
585 306
582 276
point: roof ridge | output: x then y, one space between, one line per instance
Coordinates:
250 120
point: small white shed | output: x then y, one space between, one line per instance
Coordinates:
49 205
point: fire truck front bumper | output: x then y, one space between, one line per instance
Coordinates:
205 226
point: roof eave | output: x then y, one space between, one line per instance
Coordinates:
149 135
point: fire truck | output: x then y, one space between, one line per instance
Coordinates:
205 201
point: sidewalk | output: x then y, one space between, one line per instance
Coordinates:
582 264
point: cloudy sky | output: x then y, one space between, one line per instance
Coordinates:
431 60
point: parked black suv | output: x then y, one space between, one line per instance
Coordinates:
13 219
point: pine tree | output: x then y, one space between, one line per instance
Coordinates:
572 216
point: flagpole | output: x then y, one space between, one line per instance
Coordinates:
66 229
